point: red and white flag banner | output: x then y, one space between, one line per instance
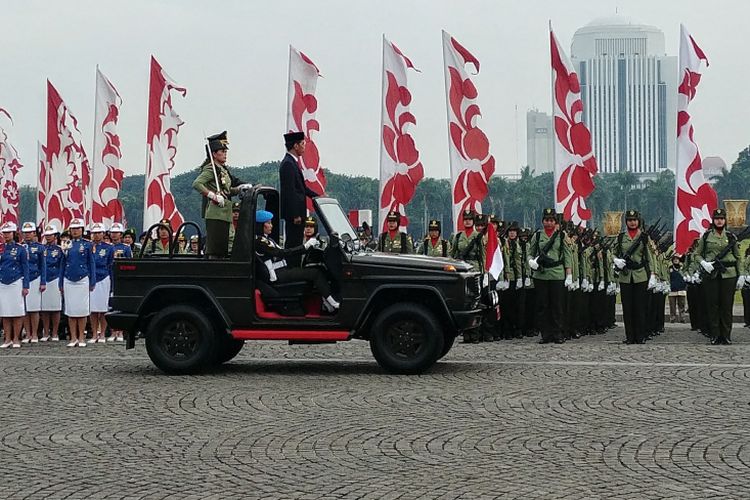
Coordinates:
68 167
494 263
400 167
695 199
472 165
106 172
575 164
42 185
300 117
9 167
161 147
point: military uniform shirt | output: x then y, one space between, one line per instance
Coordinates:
709 247
122 251
436 250
393 245
37 263
53 259
79 263
643 251
459 244
557 252
14 264
103 258
206 182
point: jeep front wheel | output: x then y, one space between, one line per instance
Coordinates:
406 339
180 340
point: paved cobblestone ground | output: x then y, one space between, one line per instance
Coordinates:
588 419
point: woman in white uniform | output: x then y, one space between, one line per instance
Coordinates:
77 280
14 286
103 258
51 297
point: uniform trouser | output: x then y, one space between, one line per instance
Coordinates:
550 302
513 311
719 293
694 303
598 307
293 236
651 313
530 323
312 274
746 304
661 305
567 325
633 296
612 316
490 327
676 307
217 238
583 311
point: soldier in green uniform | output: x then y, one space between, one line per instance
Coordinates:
434 244
530 328
633 260
551 262
393 240
216 205
463 246
720 276
514 310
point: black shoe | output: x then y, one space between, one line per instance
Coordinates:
560 341
627 342
715 341
576 335
544 341
727 342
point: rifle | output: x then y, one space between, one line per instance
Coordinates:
470 247
642 240
719 266
544 259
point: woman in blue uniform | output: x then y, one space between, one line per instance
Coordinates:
103 257
14 286
77 280
51 297
37 281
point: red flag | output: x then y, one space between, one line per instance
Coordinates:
400 167
161 147
575 164
68 167
300 117
472 165
695 199
106 173
10 164
494 260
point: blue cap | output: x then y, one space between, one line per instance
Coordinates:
263 216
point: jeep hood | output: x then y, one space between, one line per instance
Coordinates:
409 261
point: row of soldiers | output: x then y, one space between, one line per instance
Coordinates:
562 280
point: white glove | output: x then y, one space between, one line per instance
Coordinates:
527 282
216 198
688 278
591 287
519 284
533 264
244 187
569 282
707 266
697 278
619 263
611 289
312 242
505 284
601 286
741 282
585 284
666 287
652 282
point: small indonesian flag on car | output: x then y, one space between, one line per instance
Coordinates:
357 217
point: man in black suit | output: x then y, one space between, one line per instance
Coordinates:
293 192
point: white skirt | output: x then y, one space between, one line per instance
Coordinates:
34 298
11 300
100 296
76 294
51 297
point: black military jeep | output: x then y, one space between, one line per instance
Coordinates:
196 313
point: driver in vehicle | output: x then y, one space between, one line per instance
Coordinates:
274 261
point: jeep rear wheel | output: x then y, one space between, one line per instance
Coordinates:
180 340
406 339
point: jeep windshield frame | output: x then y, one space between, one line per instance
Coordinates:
333 217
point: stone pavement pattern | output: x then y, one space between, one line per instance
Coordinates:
588 419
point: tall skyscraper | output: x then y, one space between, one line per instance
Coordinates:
539 141
629 91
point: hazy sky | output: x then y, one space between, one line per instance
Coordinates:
232 56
